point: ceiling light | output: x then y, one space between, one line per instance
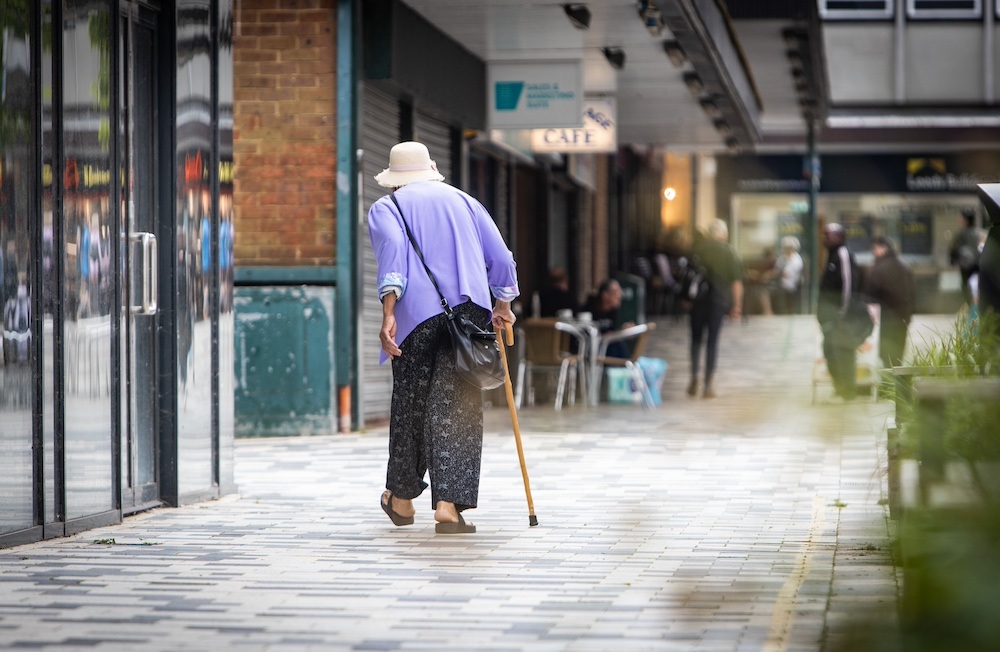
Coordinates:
733 145
675 53
723 127
615 56
694 84
711 109
578 14
795 57
900 121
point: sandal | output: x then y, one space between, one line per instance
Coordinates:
397 518
457 527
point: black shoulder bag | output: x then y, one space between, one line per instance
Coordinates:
477 356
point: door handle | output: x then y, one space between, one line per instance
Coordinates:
150 279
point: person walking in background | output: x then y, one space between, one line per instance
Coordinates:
837 285
436 418
890 284
965 252
788 271
725 275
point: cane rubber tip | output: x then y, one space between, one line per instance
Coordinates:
532 521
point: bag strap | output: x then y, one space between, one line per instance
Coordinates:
420 255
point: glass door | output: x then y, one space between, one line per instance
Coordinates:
141 223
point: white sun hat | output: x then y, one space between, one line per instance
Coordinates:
408 162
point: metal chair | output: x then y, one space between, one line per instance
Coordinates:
546 347
637 335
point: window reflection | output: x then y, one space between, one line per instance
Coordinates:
195 254
87 233
226 240
17 358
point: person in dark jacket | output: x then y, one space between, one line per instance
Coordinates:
965 251
836 287
890 284
725 274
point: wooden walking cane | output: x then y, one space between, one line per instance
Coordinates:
509 333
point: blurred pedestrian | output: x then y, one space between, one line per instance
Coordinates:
965 251
724 271
890 284
837 286
556 297
436 418
788 272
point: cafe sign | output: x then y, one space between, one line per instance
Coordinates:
597 134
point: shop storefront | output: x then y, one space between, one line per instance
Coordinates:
914 199
115 232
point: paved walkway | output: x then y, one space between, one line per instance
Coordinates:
750 522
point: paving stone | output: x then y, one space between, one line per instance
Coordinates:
748 522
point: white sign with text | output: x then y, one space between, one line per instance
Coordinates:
598 133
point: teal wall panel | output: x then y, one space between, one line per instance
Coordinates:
283 367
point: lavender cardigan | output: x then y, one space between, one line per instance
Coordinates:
460 242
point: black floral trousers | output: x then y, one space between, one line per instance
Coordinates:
436 419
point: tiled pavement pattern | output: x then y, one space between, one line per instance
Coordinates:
749 522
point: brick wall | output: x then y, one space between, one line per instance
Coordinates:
285 132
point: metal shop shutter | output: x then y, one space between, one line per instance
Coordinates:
437 136
380 131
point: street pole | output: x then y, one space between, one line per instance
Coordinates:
811 227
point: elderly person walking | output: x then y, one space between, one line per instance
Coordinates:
436 418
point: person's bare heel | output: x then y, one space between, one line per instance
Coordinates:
449 521
397 518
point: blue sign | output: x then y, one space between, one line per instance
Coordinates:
508 94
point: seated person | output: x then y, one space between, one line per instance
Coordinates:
604 306
556 295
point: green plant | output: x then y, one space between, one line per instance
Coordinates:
968 425
971 349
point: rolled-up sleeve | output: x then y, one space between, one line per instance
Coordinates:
501 271
389 244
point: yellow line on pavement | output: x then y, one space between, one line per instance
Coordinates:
784 605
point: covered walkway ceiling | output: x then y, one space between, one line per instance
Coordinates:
734 46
